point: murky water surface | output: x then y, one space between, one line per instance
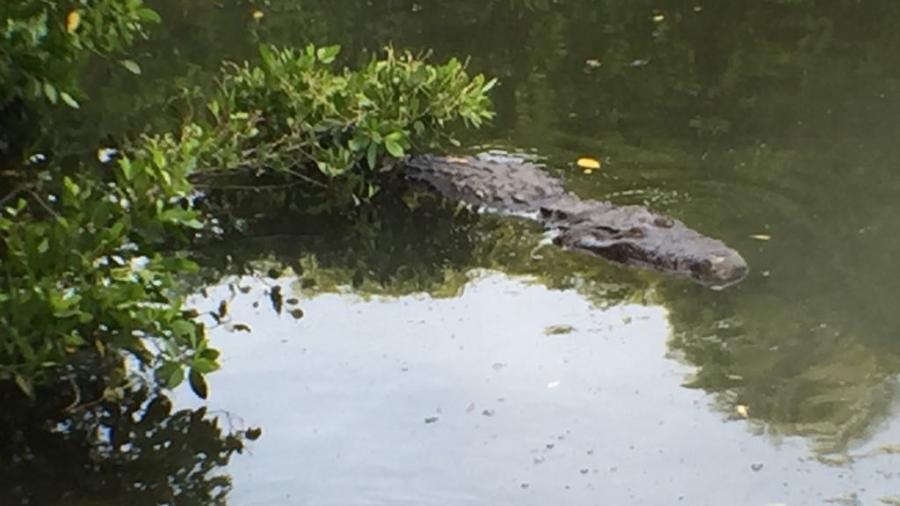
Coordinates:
769 124
510 393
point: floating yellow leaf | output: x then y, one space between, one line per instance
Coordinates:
742 410
72 21
761 237
588 163
257 15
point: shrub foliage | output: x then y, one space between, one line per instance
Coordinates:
92 258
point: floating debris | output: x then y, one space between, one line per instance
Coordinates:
588 163
431 419
761 237
742 410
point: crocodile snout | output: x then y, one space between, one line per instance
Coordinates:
720 269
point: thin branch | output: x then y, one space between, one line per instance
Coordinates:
43 204
17 190
77 391
270 187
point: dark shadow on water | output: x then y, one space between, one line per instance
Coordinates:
405 241
129 447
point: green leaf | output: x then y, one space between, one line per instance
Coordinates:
25 385
71 186
372 155
489 85
50 93
393 147
170 374
358 143
149 15
198 384
131 66
204 365
71 102
159 158
193 224
125 166
265 52
327 54
210 354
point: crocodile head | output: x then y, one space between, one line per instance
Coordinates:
635 236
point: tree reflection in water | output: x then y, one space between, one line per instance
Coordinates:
131 448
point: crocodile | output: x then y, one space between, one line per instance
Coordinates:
629 235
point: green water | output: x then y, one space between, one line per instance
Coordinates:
771 118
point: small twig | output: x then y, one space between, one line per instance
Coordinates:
306 178
43 204
77 391
270 187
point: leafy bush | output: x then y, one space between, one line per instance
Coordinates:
90 262
295 114
44 42
87 266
